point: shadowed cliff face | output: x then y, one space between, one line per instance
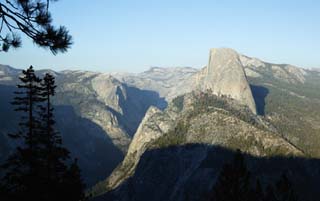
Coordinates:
117 108
188 172
203 119
259 94
224 75
288 98
8 120
87 141
96 127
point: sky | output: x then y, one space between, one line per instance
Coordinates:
133 35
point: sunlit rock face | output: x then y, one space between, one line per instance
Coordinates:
225 75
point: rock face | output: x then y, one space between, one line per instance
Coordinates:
168 82
225 75
154 124
181 140
281 72
96 115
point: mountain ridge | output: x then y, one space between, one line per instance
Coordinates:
260 75
208 125
114 105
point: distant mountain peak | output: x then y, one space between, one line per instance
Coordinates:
225 75
170 69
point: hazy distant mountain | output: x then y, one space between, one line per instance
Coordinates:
287 95
98 114
168 82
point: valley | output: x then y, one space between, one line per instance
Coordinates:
123 127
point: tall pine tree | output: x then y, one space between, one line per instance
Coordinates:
73 185
53 153
39 169
270 195
233 183
284 190
258 193
22 168
63 181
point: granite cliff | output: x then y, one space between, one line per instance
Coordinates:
200 119
108 118
225 75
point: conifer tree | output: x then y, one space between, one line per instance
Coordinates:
74 186
32 19
54 157
233 183
22 168
270 195
63 182
257 193
284 190
39 169
54 154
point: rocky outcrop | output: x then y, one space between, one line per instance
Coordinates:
109 91
154 124
225 75
96 114
175 81
288 73
281 72
111 107
8 75
194 130
79 89
168 82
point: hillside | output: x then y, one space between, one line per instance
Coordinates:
187 143
286 95
221 112
99 114
95 113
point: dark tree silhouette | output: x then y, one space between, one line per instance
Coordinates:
21 179
54 153
284 190
74 187
33 19
39 169
63 182
233 183
270 194
257 193
281 191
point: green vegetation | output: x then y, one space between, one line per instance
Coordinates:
234 183
207 102
202 103
178 102
293 109
124 172
40 168
175 136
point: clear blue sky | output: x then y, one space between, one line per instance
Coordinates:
132 35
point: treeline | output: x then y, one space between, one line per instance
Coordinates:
234 183
40 167
206 101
